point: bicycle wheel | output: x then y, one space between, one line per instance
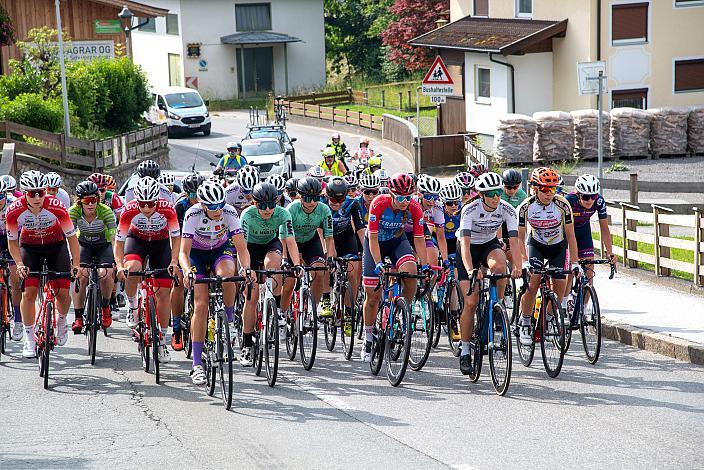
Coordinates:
4 317
510 296
525 353
552 339
271 343
500 350
292 333
209 366
477 345
48 341
349 321
360 308
590 325
330 331
398 338
307 329
186 324
257 351
422 329
438 320
154 337
143 347
225 357
92 315
453 311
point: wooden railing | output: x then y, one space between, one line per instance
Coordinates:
335 115
474 153
331 97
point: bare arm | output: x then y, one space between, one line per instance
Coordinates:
572 243
184 254
442 242
606 236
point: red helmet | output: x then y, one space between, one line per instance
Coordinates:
112 184
401 184
545 176
478 169
100 180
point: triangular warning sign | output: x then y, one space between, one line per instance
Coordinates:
438 74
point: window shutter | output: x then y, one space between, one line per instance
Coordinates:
689 75
629 21
481 7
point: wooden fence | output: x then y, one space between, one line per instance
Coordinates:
442 150
335 115
332 97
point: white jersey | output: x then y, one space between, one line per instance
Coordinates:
235 197
63 196
481 225
547 223
209 234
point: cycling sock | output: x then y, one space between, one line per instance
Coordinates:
197 352
278 301
230 313
176 324
133 301
248 340
164 331
368 333
326 296
564 303
465 347
61 319
105 302
18 314
29 333
525 320
78 312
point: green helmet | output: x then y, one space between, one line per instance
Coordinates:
328 152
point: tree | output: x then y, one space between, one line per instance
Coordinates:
412 18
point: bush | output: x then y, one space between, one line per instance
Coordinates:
85 92
20 81
32 109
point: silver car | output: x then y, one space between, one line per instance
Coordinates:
269 155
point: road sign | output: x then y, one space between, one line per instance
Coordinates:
437 82
588 77
192 82
438 99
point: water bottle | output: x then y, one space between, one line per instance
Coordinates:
211 329
538 302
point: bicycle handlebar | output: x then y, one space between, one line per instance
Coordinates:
588 262
219 280
97 266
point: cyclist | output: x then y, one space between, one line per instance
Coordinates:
279 183
12 186
53 188
46 227
479 247
465 181
550 219
96 226
107 196
364 153
145 229
477 170
428 195
332 164
211 233
383 181
239 194
317 173
308 215
292 188
370 189
151 169
352 185
450 197
388 215
338 146
169 180
373 165
232 160
6 199
266 226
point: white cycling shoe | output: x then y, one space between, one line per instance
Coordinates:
17 331
131 318
61 332
198 376
164 355
29 351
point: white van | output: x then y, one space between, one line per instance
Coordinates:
181 109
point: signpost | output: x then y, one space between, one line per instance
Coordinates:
592 80
436 84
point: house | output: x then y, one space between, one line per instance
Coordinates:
521 55
235 48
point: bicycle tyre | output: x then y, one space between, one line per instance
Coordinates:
477 346
453 309
292 333
402 325
271 342
360 308
525 353
257 351
425 333
330 331
501 344
225 356
143 349
510 296
348 322
5 318
378 342
552 346
437 324
154 338
593 322
92 323
48 340
307 323
186 321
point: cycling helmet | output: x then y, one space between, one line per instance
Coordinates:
364 140
489 182
451 192
336 135
278 181
148 168
478 169
374 163
100 180
234 145
211 193
146 189
53 180
316 172
544 176
351 181
3 186
512 177
428 184
464 180
265 192
309 186
369 181
248 177
10 181
336 188
291 184
587 184
383 176
328 152
112 184
167 179
191 182
31 180
401 184
86 188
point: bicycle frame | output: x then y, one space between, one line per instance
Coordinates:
581 282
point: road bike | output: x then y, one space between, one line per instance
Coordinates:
302 323
344 306
266 330
92 307
448 307
423 317
6 308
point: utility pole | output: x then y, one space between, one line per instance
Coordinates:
64 92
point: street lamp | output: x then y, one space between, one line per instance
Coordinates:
126 16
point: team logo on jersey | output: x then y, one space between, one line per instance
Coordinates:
372 218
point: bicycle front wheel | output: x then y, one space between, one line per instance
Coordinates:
225 357
398 342
349 321
552 338
48 342
422 329
92 314
154 335
4 318
307 329
271 342
186 324
590 325
453 310
500 350
292 333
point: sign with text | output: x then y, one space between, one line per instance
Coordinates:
437 82
107 27
588 77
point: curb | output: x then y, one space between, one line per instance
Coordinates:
658 343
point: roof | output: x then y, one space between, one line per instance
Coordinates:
138 8
258 37
500 35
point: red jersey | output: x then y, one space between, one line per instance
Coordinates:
389 223
51 225
115 203
158 226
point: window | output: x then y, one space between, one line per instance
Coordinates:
149 26
689 3
172 24
481 7
630 98
629 23
253 17
524 8
689 75
175 76
483 85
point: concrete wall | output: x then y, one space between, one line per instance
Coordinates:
461 8
532 69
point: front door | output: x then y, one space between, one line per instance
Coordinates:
258 68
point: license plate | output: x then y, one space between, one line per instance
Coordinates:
194 126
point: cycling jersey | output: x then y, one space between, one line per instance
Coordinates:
347 218
481 225
363 208
452 224
98 232
207 233
305 225
3 215
261 232
164 193
159 226
234 196
433 218
581 215
228 162
63 196
181 206
516 199
51 225
547 223
389 223
114 201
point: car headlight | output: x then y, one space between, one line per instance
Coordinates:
207 114
279 163
173 116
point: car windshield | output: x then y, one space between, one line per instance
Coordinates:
261 134
184 100
266 147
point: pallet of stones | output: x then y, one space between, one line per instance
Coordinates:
513 142
554 136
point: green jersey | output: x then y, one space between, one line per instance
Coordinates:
306 225
100 231
259 231
516 199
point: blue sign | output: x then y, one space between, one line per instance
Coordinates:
202 63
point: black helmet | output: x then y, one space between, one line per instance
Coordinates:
291 184
191 182
309 186
148 168
86 188
265 192
336 188
512 177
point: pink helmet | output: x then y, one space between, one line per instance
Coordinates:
401 184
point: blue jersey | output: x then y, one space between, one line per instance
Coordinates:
452 223
582 215
389 223
363 209
347 217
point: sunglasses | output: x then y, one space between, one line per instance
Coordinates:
192 195
402 199
266 205
292 193
547 189
311 198
2 196
492 193
430 197
89 200
149 204
452 203
246 192
35 193
588 197
371 192
215 207
467 192
102 190
512 187
335 200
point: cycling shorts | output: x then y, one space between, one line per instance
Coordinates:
480 255
429 240
158 252
258 252
346 243
451 246
311 251
205 261
585 242
555 254
102 253
396 249
57 259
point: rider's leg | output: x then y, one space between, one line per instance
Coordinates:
199 321
496 260
225 267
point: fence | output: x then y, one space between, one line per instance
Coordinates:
403 133
474 153
342 116
332 97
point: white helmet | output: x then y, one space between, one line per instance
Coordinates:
32 179
146 189
11 182
464 180
316 172
248 177
489 181
369 181
53 180
278 181
382 175
211 192
3 185
587 184
167 179
428 184
451 192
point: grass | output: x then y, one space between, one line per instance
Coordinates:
391 96
229 105
379 111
